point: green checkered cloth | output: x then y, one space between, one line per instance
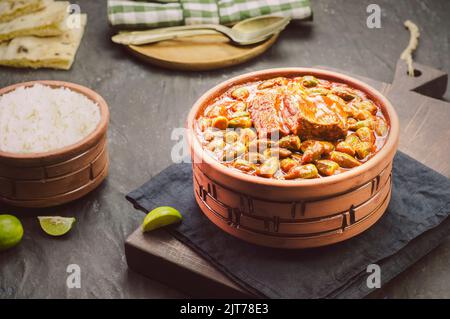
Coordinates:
166 13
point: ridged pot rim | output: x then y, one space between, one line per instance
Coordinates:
385 154
79 146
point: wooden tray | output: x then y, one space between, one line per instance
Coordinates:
423 121
199 53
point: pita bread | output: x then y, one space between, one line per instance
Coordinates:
43 52
47 22
11 9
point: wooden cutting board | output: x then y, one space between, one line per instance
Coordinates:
424 135
199 53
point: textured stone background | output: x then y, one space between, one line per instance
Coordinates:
147 103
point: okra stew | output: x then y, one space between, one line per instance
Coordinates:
292 128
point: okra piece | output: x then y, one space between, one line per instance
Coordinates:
352 140
277 152
302 171
307 144
362 115
217 110
318 91
338 100
327 147
220 122
246 135
239 106
364 149
244 165
228 154
368 106
238 114
370 123
231 137
365 134
327 167
343 93
216 144
312 153
240 93
309 81
239 148
349 108
233 151
254 157
344 160
287 164
260 145
212 134
380 126
346 148
243 122
272 82
269 167
297 157
350 122
291 142
204 123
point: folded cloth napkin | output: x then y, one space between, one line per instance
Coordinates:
144 14
411 227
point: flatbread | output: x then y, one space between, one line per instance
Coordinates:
46 22
11 9
43 52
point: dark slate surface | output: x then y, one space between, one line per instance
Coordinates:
147 103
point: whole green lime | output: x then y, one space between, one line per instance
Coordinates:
11 231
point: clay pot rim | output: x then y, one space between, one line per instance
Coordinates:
90 139
384 154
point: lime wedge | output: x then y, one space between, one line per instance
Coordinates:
56 225
160 217
11 231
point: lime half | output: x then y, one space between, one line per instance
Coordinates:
160 217
11 231
56 225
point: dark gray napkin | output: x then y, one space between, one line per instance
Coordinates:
420 202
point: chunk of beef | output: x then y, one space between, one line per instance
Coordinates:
265 113
318 117
290 112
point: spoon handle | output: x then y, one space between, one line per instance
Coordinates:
143 37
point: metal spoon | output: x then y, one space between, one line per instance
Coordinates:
249 31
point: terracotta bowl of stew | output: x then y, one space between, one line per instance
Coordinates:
299 206
58 176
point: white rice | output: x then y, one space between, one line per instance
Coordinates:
42 119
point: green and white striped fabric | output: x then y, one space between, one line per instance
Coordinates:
165 13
